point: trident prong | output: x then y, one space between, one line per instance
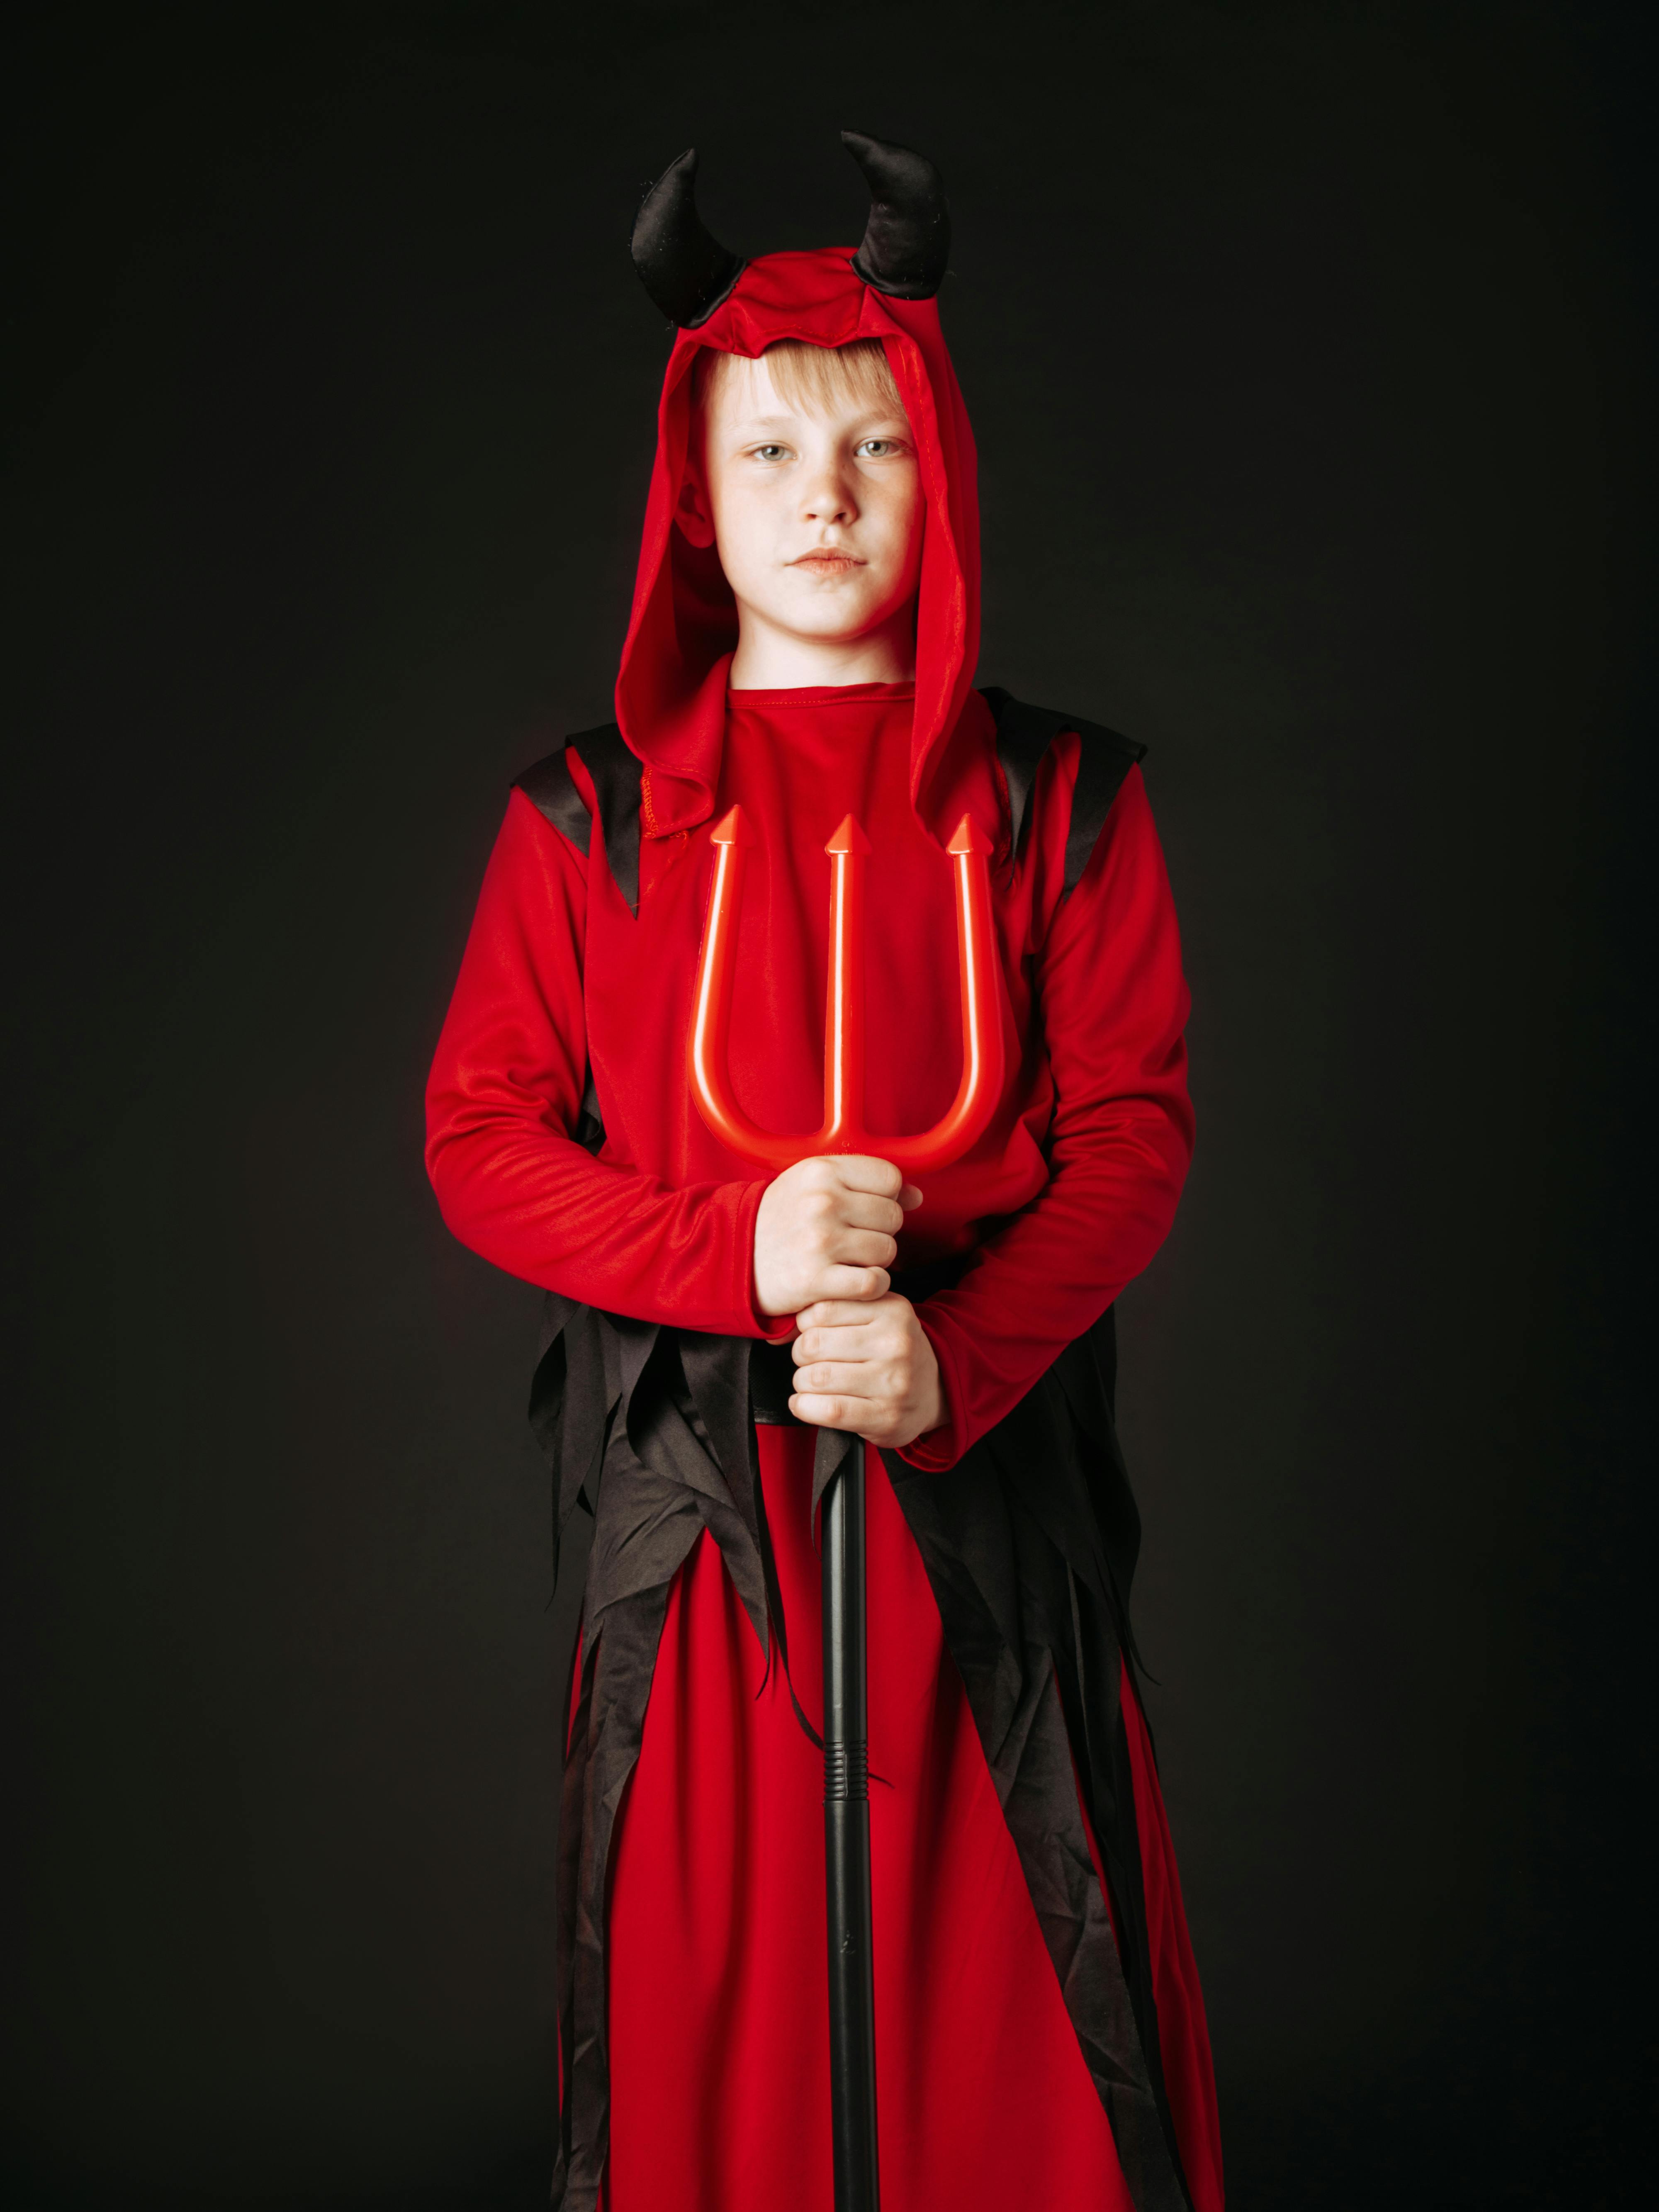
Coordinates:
843 1129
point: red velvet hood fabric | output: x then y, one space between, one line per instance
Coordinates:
671 693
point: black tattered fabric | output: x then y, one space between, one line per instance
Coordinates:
1029 1543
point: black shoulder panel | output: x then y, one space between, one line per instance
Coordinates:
1103 761
616 777
1024 735
550 788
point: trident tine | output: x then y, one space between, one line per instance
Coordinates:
709 1046
843 1000
982 1058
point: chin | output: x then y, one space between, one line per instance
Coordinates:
822 615
833 633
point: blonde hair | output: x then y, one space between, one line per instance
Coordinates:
811 378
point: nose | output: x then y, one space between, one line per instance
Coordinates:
828 495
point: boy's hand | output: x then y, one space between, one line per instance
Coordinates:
828 1229
869 1368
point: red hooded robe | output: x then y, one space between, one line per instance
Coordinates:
1040 2032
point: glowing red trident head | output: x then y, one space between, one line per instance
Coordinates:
843 1129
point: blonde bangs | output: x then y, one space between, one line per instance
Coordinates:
815 379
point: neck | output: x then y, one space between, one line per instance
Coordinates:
772 659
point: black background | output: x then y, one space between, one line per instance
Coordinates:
1308 350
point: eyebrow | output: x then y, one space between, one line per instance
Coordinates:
745 423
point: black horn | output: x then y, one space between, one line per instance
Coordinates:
906 242
687 273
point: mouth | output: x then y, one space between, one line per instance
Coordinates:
827 560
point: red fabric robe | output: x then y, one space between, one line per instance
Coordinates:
717 2007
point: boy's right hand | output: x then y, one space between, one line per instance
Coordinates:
828 1229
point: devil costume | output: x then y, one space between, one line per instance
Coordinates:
1040 2032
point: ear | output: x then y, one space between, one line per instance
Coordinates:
692 515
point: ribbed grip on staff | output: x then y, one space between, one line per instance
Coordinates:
846 1771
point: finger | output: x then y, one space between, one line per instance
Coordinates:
842 1313
827 1413
859 1248
867 1333
863 1284
910 1198
856 1171
841 1379
847 1343
861 1211
821 1172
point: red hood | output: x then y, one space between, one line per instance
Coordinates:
671 693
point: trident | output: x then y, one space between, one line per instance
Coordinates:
846 1723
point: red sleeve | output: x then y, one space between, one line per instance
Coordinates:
505 1094
1113 1004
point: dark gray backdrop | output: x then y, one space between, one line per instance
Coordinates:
1307 349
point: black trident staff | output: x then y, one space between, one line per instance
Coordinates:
846 1727
847 1841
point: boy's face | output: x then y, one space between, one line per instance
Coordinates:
817 514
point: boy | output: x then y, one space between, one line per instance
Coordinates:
803 640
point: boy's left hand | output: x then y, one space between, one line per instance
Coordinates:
866 1366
